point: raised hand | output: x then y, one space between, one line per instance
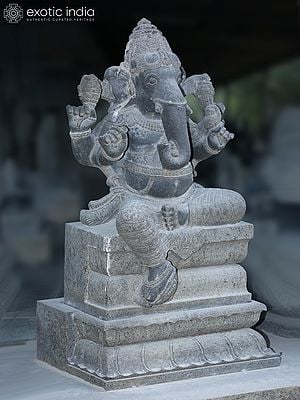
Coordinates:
218 136
218 140
81 118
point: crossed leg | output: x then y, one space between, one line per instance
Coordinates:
139 227
142 229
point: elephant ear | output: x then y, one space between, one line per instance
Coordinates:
199 93
201 87
107 93
195 112
117 74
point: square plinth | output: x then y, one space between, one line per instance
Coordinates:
102 274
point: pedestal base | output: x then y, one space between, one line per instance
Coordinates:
25 378
96 351
102 334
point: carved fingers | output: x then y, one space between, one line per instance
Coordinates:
218 136
112 138
218 140
114 142
225 134
81 118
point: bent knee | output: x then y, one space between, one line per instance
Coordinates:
133 218
235 206
217 207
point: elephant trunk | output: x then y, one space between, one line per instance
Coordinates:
177 152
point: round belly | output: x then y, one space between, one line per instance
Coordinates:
156 182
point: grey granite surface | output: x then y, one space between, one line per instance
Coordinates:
153 287
101 333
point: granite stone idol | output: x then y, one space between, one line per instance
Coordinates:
153 287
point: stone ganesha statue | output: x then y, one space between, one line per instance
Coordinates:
148 147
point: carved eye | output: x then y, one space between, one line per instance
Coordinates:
151 80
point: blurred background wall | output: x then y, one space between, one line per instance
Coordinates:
251 51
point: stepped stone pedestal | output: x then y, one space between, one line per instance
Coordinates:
99 333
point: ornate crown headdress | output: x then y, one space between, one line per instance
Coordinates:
148 48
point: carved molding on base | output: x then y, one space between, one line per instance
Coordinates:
169 355
83 352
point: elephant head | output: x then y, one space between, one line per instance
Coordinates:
158 91
157 74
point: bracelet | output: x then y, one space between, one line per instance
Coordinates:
80 134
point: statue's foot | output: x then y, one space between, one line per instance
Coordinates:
159 286
109 199
95 216
95 204
90 217
102 210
